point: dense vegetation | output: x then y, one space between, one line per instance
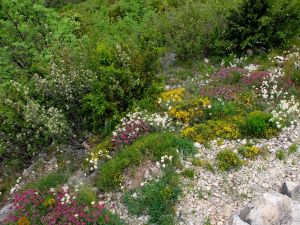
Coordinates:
70 69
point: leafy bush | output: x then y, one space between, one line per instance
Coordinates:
28 125
31 34
194 30
222 109
257 123
263 23
228 159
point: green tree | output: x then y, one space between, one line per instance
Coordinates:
29 33
263 24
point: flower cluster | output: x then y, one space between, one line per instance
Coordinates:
191 110
32 207
94 157
269 88
131 128
226 92
175 95
65 83
164 160
226 73
255 78
138 123
287 112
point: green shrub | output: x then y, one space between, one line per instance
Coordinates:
156 198
51 180
228 159
257 124
194 30
222 109
263 23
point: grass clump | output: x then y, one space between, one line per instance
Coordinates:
228 159
157 199
293 148
190 173
86 195
110 174
51 180
280 154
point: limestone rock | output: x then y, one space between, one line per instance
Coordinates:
272 208
5 211
292 190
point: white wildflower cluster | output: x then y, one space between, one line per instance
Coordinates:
287 112
269 89
95 156
159 121
16 186
164 160
156 121
237 62
66 199
251 68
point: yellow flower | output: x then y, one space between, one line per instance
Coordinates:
49 202
175 95
23 221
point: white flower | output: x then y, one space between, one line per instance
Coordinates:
92 203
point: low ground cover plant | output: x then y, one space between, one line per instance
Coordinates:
111 173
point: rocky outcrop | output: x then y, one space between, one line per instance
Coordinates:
272 208
5 211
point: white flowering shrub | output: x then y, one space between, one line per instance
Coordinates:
27 125
64 87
